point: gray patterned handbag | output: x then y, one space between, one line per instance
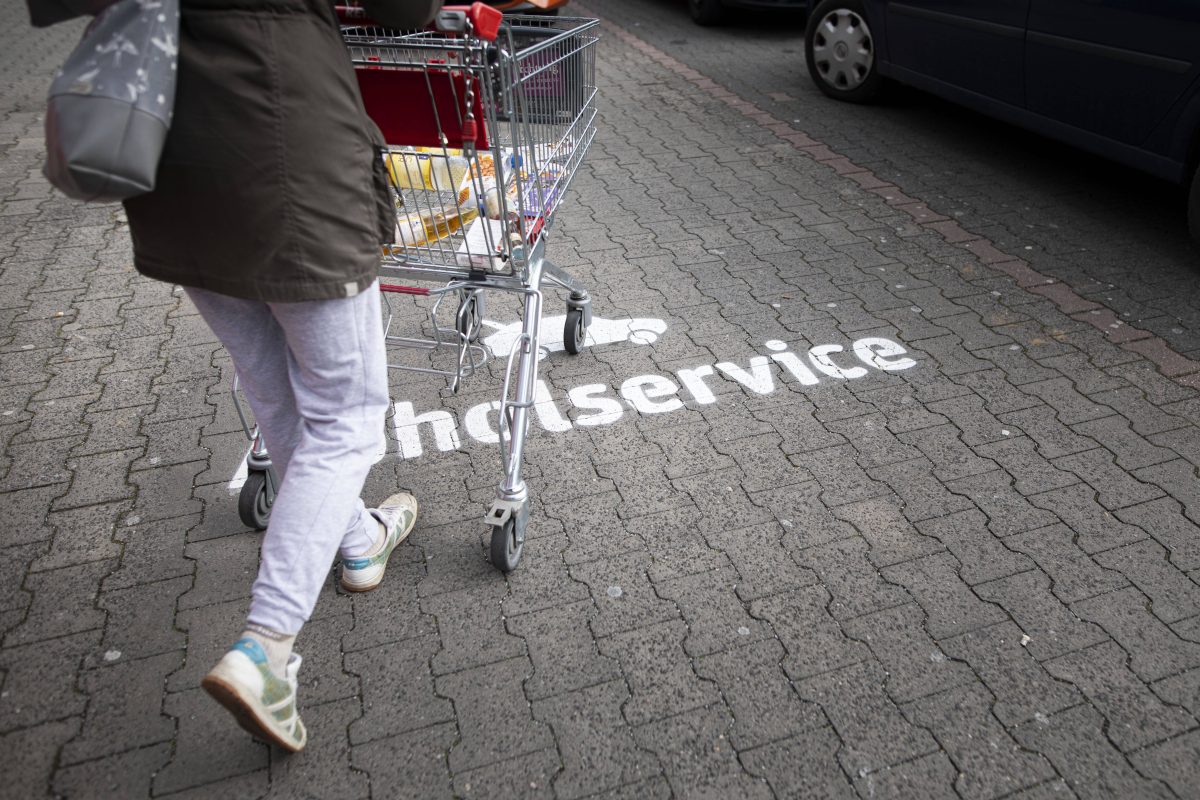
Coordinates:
110 105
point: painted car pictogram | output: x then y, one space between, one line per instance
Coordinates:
639 330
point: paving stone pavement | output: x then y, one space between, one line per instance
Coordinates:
959 561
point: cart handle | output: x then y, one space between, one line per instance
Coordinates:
485 20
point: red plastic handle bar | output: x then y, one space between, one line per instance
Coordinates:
397 289
485 20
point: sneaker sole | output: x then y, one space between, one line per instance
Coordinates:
245 712
366 587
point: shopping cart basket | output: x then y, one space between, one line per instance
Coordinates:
487 121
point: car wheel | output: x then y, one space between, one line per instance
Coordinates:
840 51
1193 207
706 12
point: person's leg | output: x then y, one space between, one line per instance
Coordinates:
256 343
256 679
338 374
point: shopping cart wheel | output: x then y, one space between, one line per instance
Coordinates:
574 330
507 545
254 501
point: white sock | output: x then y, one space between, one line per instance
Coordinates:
380 540
277 646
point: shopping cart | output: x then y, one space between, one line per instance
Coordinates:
487 120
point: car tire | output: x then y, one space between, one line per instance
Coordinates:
1193 207
839 49
707 12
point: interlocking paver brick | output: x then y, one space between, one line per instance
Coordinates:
781 763
124 708
874 732
675 545
716 617
1172 595
32 751
207 748
700 761
422 774
990 763
1094 527
1074 742
1001 656
1131 449
564 655
151 551
1031 471
891 537
1178 478
814 641
916 667
624 597
1136 717
1174 762
948 602
36 688
125 774
398 672
1073 575
661 683
923 495
599 750
63 603
1155 650
876 444
140 620
24 519
98 479
1145 417
39 464
595 529
932 775
1054 438
758 554
166 493
225 568
842 479
471 629
1184 441
1163 519
495 723
853 581
762 699
1114 486
324 769
981 555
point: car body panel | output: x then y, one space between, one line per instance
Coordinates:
1119 78
1086 58
975 44
798 5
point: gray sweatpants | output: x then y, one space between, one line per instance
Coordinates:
315 375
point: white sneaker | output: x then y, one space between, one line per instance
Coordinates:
261 702
397 514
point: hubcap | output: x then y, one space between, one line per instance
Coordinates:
843 51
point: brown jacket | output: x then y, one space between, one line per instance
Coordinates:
270 185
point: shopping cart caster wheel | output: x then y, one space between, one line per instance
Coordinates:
254 501
574 330
506 546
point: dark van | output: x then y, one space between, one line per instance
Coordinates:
1120 78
